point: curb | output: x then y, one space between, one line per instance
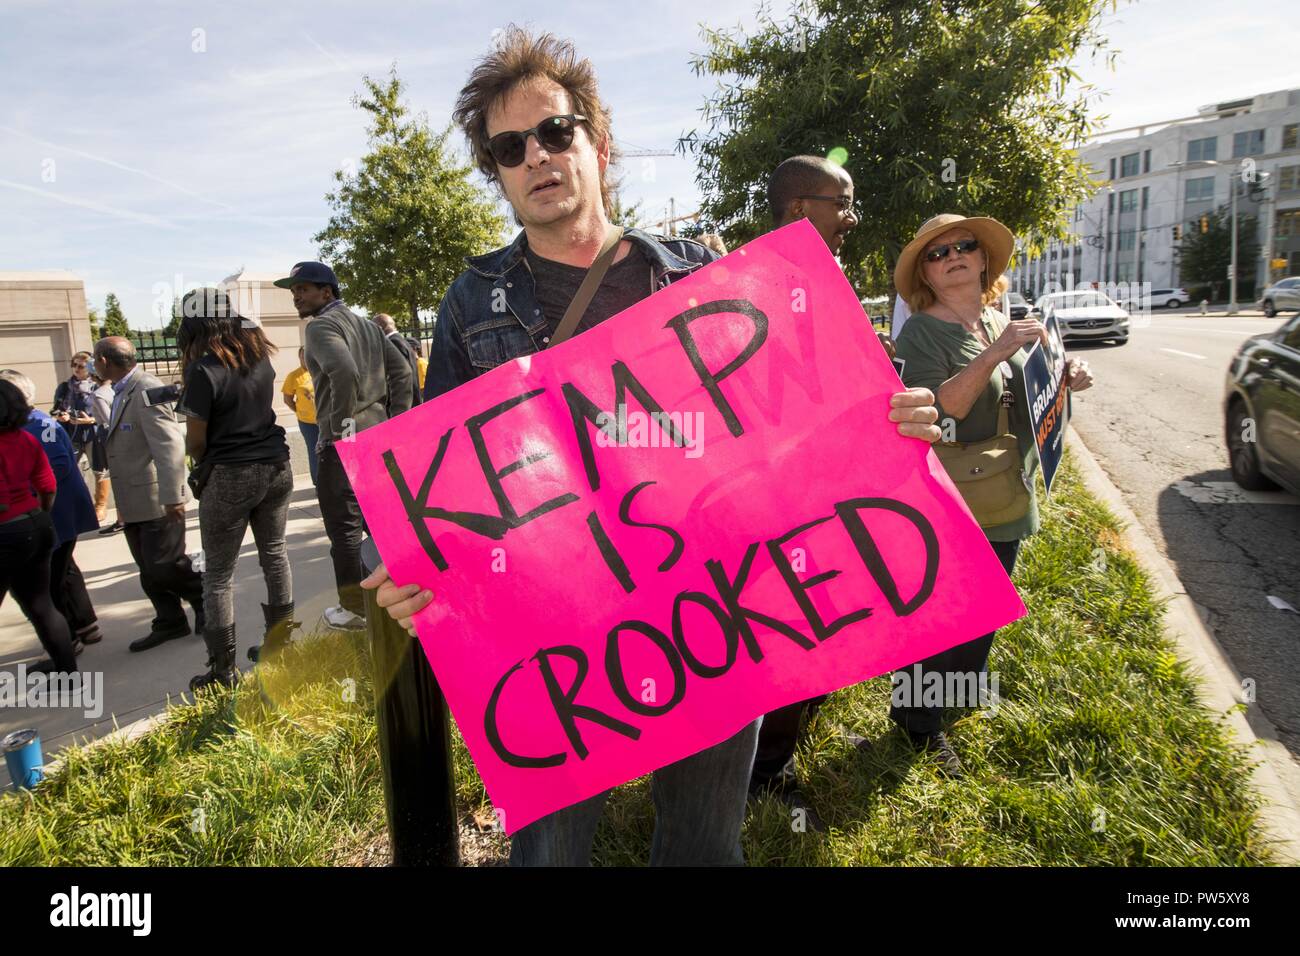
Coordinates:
1275 776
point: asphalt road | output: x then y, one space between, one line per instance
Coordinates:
1154 420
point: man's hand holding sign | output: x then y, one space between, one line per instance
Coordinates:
613 596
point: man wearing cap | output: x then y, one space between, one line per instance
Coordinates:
361 379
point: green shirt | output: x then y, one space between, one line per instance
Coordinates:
933 351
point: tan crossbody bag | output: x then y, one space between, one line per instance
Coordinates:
989 474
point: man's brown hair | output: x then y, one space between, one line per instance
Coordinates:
518 58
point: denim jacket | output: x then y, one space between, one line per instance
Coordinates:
472 337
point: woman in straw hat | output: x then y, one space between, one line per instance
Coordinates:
973 359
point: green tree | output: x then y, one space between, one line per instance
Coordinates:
403 224
114 320
621 214
173 323
1204 257
931 105
92 314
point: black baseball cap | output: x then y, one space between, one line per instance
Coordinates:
315 272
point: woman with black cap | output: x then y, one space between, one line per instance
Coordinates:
241 472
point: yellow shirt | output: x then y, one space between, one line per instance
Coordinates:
424 367
299 385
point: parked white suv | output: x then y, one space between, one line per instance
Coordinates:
1158 299
1281 296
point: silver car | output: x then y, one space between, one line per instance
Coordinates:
1085 314
1281 296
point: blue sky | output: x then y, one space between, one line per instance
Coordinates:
131 158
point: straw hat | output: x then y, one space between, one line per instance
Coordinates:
995 239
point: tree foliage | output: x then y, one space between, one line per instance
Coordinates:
404 222
1204 257
938 106
114 320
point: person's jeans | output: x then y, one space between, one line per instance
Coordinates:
343 525
777 739
158 547
25 548
310 434
236 496
699 808
969 658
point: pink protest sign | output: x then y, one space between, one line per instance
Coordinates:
695 513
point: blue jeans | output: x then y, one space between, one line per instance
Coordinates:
310 432
699 808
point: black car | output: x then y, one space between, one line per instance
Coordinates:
1262 410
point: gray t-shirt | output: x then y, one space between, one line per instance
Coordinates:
627 282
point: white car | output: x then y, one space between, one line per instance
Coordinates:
1158 299
1085 314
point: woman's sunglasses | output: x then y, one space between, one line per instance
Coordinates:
962 246
555 134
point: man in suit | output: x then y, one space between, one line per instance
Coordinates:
146 461
389 328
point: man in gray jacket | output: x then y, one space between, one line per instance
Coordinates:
146 462
361 378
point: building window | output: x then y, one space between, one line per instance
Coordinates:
1126 239
1288 179
1112 167
1248 142
1128 165
1199 190
1288 222
1146 161
1289 135
1199 150
1128 200
1146 196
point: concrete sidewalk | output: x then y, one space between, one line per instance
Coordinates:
137 685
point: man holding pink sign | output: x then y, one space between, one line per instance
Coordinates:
615 598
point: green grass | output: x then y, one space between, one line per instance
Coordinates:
1098 754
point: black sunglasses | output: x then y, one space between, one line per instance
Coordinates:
555 134
941 252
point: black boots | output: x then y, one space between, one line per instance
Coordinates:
279 625
221 659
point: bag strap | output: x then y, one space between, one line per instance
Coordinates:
590 283
1004 426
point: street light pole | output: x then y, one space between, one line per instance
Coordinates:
1232 266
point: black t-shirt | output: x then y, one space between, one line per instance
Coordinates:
238 409
627 282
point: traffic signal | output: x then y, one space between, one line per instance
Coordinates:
1178 233
1205 224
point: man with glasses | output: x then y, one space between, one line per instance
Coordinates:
816 189
537 127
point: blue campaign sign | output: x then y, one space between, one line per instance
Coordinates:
1048 398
